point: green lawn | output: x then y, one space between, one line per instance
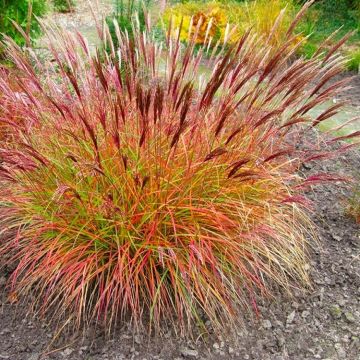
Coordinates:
327 16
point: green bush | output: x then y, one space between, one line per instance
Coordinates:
64 5
18 11
125 13
354 62
327 16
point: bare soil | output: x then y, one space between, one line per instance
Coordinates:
352 95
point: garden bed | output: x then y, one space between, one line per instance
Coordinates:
320 324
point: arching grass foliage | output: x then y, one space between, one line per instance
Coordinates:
134 186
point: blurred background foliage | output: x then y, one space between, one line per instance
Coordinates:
327 16
22 12
323 18
64 5
125 13
241 15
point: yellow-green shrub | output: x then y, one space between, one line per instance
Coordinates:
193 11
215 16
261 16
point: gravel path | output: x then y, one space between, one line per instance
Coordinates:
83 18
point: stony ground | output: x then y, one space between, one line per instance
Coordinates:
323 323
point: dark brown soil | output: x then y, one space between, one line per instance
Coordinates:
352 95
323 323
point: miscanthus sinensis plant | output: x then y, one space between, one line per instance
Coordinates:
135 187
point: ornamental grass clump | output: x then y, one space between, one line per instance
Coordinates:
133 187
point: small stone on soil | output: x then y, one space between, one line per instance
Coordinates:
67 352
340 351
137 339
267 324
290 318
349 317
189 353
34 356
